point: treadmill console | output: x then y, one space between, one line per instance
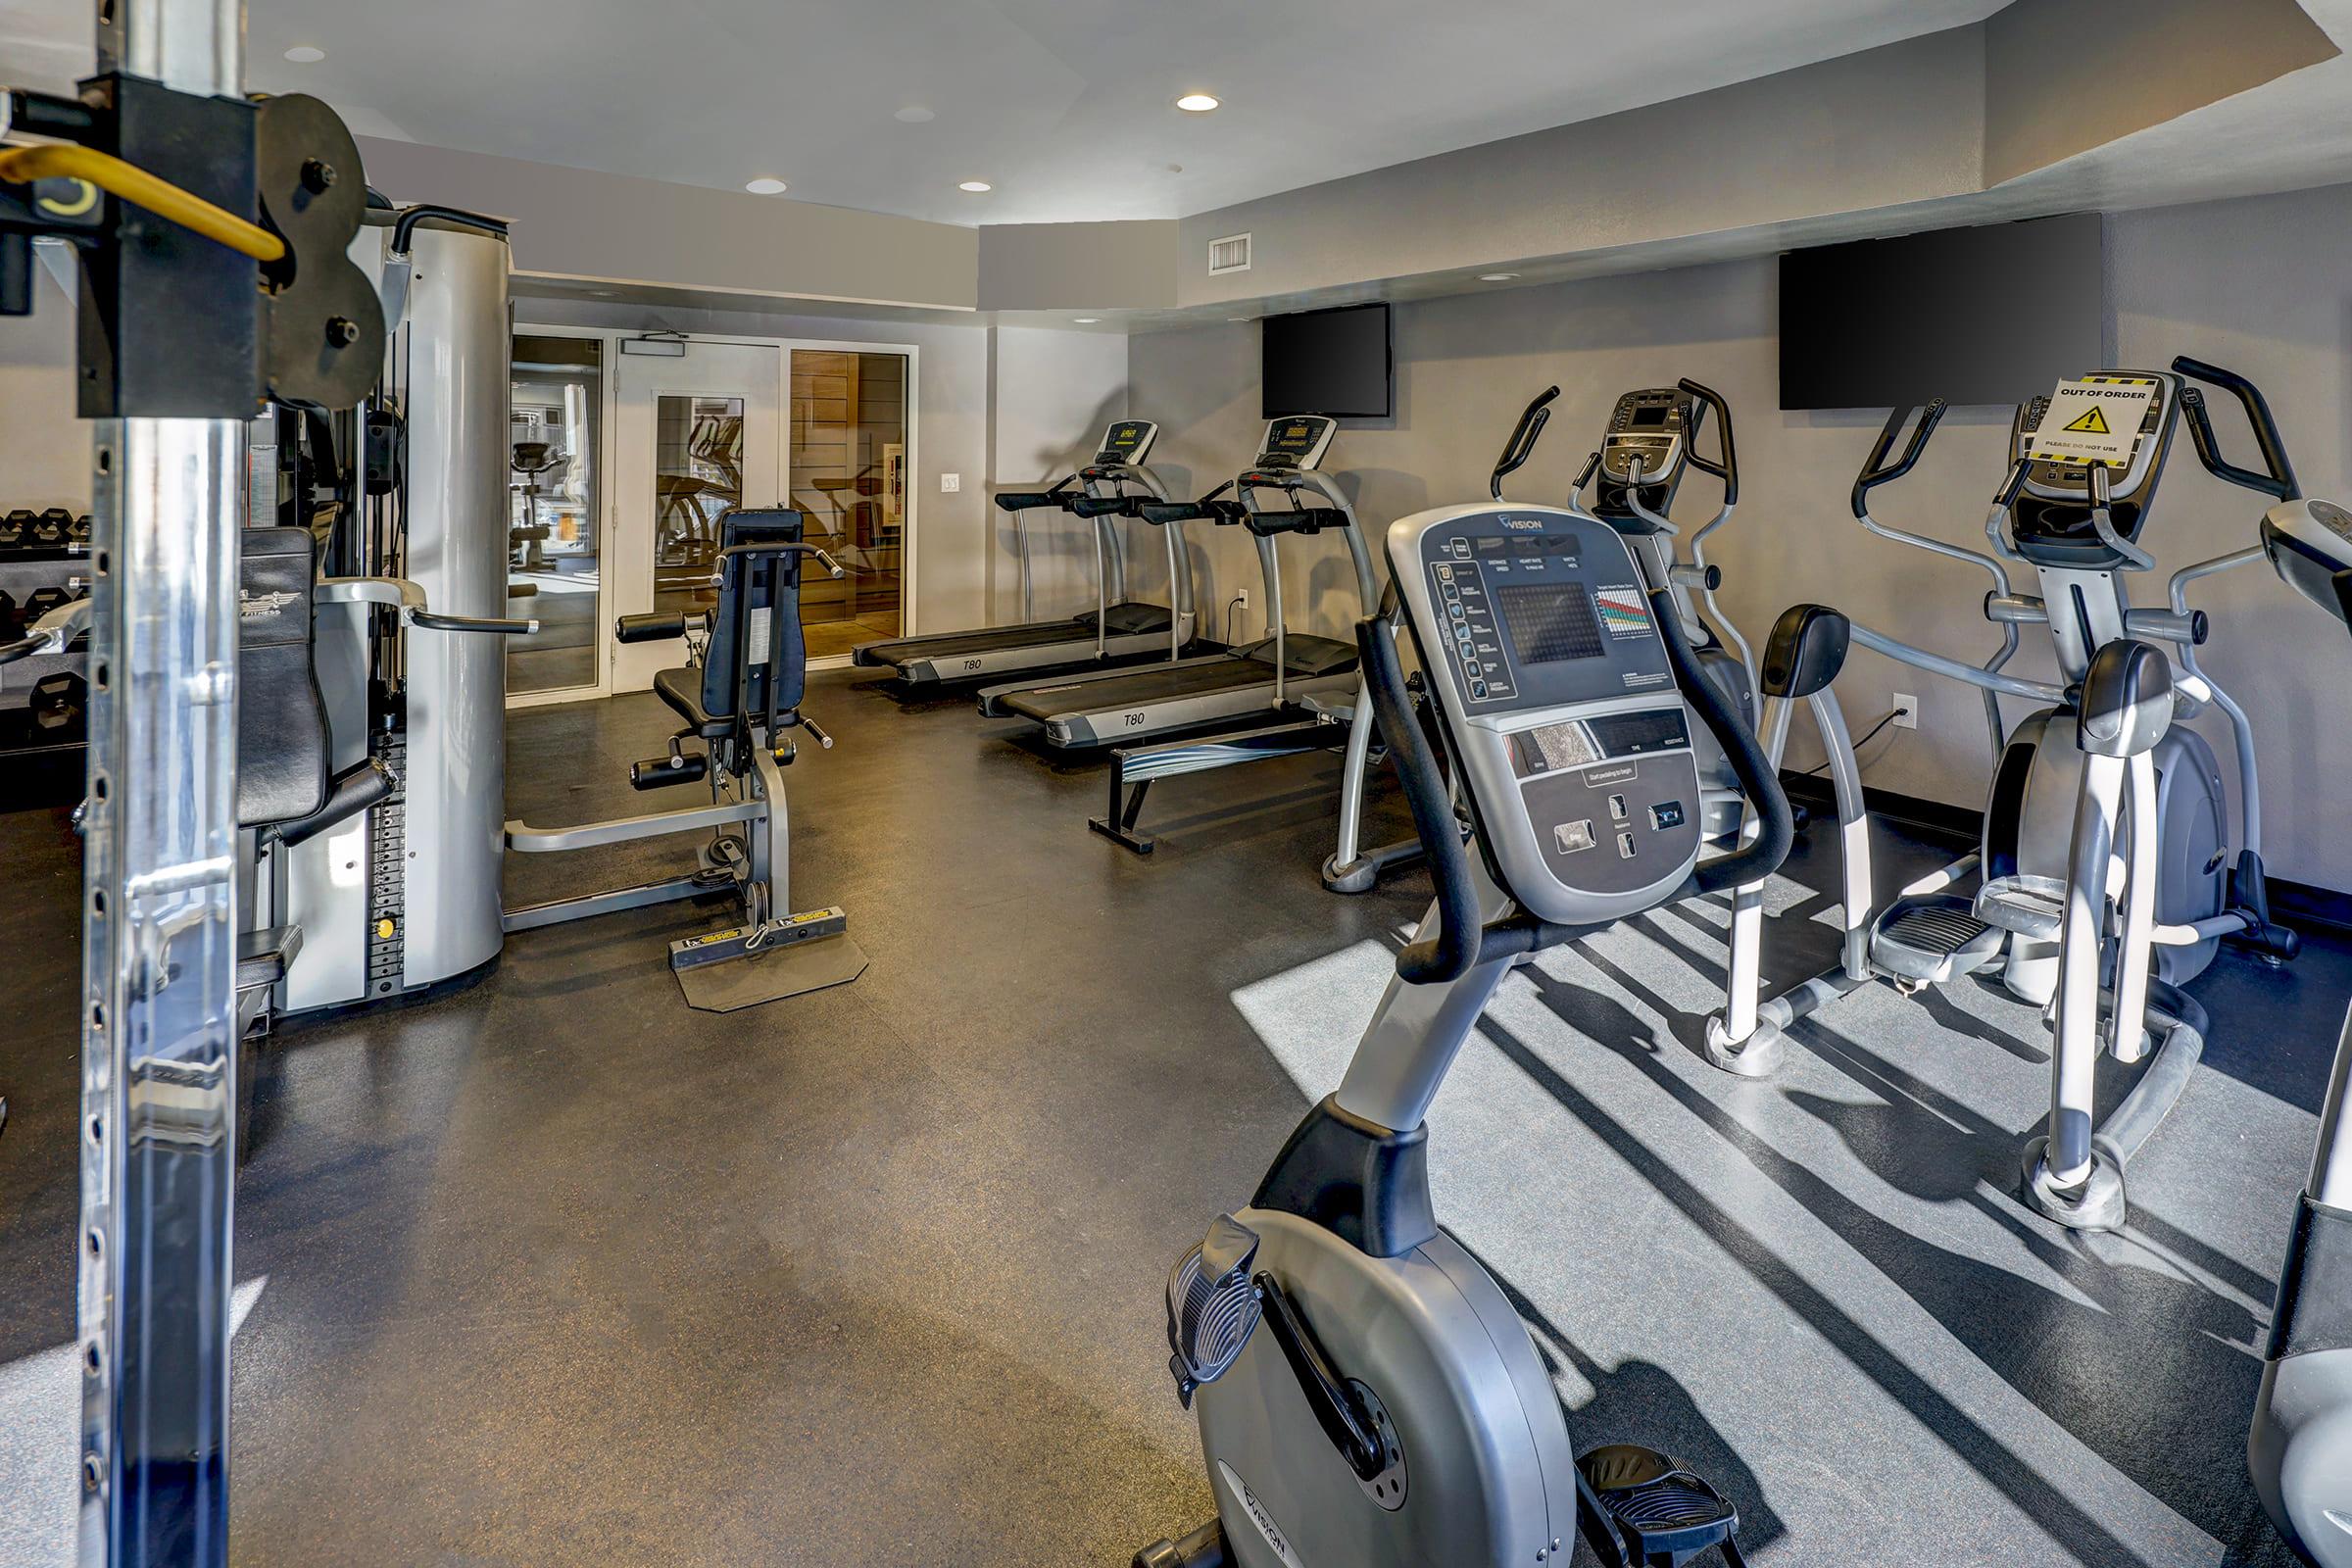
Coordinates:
1296 443
1563 713
1657 427
1126 444
2124 419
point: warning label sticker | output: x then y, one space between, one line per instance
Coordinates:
2095 420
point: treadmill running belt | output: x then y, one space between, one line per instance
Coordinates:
1139 688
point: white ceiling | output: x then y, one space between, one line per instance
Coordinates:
1065 104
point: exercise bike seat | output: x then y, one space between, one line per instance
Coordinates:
682 690
1927 939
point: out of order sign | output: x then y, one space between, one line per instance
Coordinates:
2093 422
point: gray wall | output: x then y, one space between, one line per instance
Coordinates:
1054 392
1076 267
2248 284
615 228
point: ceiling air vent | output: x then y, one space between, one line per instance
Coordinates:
1229 255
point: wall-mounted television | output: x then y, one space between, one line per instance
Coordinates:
1991 315
1334 361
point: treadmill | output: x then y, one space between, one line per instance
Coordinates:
1273 678
1117 631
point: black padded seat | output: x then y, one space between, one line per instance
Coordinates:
682 690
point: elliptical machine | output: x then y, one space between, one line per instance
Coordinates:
2300 1444
1393 1410
1644 457
2085 467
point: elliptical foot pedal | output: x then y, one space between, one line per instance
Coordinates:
2031 906
1933 938
1642 1509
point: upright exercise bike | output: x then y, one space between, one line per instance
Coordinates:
2300 1446
1393 1410
2075 507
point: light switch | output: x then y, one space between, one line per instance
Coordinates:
950 483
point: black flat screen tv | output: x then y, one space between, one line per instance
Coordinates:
1973 315
1334 362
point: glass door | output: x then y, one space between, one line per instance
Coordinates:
554 495
697 433
849 476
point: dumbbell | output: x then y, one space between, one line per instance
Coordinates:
16 528
51 527
58 703
78 530
12 621
41 601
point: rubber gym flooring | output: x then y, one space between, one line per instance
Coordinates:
548 1268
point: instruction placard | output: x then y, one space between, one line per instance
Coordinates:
2096 420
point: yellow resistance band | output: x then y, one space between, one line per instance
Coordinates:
24 164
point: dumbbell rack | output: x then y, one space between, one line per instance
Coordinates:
44 563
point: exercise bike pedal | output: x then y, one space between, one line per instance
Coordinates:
1642 1509
1930 939
1204 1547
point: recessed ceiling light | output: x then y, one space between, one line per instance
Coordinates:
1197 102
304 54
1237 317
767 187
915 115
975 187
1497 277
1085 320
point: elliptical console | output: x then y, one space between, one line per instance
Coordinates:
1367 1395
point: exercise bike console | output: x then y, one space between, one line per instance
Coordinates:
1560 701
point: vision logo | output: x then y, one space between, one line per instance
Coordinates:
1258 1516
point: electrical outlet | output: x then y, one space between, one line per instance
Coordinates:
950 483
1240 596
1906 710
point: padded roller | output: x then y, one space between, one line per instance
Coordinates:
658 773
649 628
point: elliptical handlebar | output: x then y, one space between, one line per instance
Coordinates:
1877 470
1522 444
2279 483
1726 470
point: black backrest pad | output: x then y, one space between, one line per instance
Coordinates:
748 592
281 718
